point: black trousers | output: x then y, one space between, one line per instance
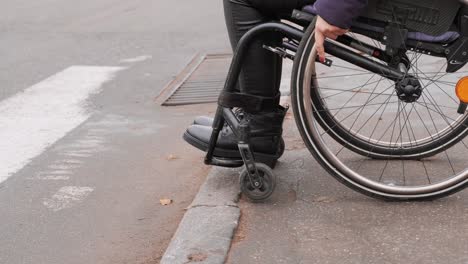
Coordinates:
261 72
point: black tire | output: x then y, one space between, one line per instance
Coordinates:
381 151
364 146
262 193
308 123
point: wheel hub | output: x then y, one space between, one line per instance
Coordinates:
409 90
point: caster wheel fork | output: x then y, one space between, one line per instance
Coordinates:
259 184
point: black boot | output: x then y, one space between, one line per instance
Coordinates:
208 121
266 142
203 121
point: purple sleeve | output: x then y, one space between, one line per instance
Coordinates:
340 13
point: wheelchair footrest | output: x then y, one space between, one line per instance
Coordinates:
228 163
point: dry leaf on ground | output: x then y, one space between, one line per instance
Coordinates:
165 201
172 157
197 257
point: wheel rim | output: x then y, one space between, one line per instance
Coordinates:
322 148
262 192
346 118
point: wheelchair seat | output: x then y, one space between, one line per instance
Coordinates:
444 38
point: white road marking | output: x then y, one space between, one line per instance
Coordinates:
89 144
60 172
36 118
67 197
63 169
76 155
137 59
88 152
71 161
61 166
46 177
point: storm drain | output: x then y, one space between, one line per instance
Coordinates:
201 82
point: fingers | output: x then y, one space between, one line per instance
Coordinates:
319 41
341 31
332 36
324 30
334 33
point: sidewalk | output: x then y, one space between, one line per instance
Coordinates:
311 218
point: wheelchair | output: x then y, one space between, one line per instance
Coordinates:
385 113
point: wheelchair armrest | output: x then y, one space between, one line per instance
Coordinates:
302 18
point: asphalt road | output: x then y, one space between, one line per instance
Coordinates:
86 152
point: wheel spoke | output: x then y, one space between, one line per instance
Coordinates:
352 113
371 137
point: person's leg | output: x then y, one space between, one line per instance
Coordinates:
260 76
259 71
262 70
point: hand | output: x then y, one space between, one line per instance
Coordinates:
324 30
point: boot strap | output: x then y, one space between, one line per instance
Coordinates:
250 103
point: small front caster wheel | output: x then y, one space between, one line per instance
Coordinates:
260 189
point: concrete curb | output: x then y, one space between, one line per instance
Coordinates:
206 231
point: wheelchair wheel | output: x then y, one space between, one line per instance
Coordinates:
262 192
372 140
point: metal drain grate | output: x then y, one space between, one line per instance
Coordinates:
201 81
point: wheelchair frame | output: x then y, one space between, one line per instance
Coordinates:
292 36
